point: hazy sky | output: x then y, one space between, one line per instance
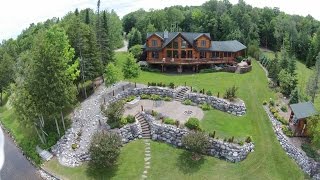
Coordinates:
16 15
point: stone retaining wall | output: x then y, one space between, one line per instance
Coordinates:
236 108
307 164
173 135
245 69
130 132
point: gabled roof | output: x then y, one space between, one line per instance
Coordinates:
303 110
227 46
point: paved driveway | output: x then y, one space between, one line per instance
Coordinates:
16 166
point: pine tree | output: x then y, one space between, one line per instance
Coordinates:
106 51
294 97
130 68
314 79
134 38
87 19
284 62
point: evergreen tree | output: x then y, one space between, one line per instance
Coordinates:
274 69
130 68
284 62
314 79
294 97
106 51
292 66
6 72
134 38
87 18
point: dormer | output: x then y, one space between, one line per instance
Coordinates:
154 41
203 41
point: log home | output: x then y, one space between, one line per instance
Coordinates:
189 50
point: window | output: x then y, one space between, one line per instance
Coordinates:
229 54
175 44
154 43
203 54
169 54
155 55
225 54
203 43
183 54
175 54
184 44
215 54
189 54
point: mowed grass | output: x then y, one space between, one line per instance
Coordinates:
130 166
268 161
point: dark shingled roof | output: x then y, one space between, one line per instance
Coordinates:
224 46
227 46
303 110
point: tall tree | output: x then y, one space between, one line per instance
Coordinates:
6 72
130 68
106 50
134 38
314 79
87 18
112 74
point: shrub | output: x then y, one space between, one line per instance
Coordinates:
145 96
130 98
187 102
194 90
265 103
287 131
167 98
230 140
74 146
213 134
205 106
123 121
193 124
149 69
104 150
241 143
209 93
154 113
273 110
283 120
155 97
271 102
130 119
284 108
231 93
114 113
197 143
171 85
169 121
248 139
310 151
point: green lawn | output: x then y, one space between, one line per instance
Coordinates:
131 164
268 161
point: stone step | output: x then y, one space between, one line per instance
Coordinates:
145 129
146 137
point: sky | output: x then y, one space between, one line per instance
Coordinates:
16 15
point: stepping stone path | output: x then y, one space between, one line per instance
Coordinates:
181 93
147 159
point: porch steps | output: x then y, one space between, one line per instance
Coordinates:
146 132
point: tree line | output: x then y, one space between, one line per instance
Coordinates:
44 68
265 27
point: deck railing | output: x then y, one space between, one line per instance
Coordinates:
191 61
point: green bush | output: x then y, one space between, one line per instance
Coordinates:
231 93
171 85
271 102
114 113
311 151
284 108
213 134
283 120
155 97
145 96
248 139
273 110
123 121
130 98
74 146
194 90
193 124
230 140
197 143
209 93
130 119
287 131
167 98
265 103
187 102
205 106
149 69
169 121
154 113
241 143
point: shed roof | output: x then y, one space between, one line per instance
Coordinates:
227 46
303 110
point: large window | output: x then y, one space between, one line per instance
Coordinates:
154 43
169 54
203 54
225 54
189 54
229 54
175 44
183 44
183 54
175 54
155 55
215 54
203 43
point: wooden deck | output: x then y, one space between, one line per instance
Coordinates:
187 61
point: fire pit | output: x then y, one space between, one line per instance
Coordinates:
188 112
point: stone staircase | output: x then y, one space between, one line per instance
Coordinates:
181 93
146 133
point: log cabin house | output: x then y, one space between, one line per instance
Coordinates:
189 50
298 118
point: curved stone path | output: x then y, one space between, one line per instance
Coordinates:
147 158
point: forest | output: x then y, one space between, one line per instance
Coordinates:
47 67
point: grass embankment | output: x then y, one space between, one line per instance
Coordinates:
268 161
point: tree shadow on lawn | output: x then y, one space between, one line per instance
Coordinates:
107 173
187 165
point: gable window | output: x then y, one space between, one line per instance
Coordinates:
184 44
203 54
175 44
154 43
203 43
155 55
